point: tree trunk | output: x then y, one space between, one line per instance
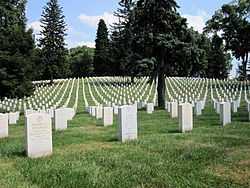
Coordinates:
244 68
161 89
132 79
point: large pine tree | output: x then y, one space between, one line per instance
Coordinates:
121 39
101 57
16 47
233 21
219 62
52 41
160 34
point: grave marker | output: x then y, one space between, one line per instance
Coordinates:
38 135
107 116
127 123
185 117
4 129
62 116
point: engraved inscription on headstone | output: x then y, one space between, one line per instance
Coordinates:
127 123
38 135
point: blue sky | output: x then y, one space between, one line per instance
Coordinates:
82 16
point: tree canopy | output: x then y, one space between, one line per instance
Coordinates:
232 21
16 49
81 61
101 57
52 41
151 38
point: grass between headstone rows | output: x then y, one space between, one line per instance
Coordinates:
89 155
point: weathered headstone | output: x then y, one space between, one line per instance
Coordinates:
150 108
93 111
198 108
225 113
127 123
115 110
38 135
185 117
174 109
107 116
98 112
51 112
13 117
4 129
168 107
29 111
217 107
62 116
234 106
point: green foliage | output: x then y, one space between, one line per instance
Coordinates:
52 41
151 38
219 62
16 46
81 61
233 21
38 65
101 57
121 40
159 36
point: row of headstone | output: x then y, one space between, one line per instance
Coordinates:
184 113
43 98
127 119
120 94
38 126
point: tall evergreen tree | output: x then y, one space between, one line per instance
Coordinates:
101 58
16 47
81 61
219 62
160 32
121 38
232 20
52 41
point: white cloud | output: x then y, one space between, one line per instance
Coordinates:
88 44
36 26
197 22
92 21
73 44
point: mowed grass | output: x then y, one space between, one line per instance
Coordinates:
89 155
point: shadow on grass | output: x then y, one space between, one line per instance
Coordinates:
20 154
99 123
174 131
14 153
113 139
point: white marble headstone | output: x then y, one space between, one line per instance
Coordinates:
38 135
13 117
107 116
4 129
150 108
127 123
92 111
185 117
62 116
225 113
115 110
198 108
98 112
174 109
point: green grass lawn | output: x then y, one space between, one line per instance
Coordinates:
88 155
